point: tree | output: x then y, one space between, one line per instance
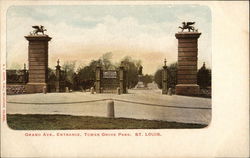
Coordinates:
171 76
158 78
87 74
132 67
69 68
106 61
204 77
147 79
51 75
51 79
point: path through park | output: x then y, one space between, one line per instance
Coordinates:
139 104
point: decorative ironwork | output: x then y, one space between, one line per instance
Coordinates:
109 74
17 76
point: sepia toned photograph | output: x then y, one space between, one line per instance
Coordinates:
108 67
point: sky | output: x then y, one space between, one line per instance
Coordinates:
82 33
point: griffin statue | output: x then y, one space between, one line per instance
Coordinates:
38 29
187 25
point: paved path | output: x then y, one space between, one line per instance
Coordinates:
168 108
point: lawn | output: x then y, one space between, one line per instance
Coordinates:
63 122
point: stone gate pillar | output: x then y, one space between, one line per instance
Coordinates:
122 78
164 78
38 62
25 74
58 74
187 63
98 74
125 82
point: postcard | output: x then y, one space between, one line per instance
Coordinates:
124 79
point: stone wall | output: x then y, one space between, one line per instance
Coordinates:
16 89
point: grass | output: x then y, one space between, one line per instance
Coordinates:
63 122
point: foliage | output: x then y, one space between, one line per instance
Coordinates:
204 77
51 75
132 67
106 61
69 68
158 78
86 75
17 76
51 79
171 76
147 79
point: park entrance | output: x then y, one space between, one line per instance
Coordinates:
111 81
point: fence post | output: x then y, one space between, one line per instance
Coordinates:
67 89
170 91
118 90
44 89
110 109
92 90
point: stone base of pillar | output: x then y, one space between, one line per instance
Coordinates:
164 91
98 86
187 89
35 87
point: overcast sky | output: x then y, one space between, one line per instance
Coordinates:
82 33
